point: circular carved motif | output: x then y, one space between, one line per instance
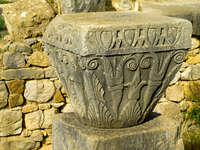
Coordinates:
132 64
145 62
179 57
92 64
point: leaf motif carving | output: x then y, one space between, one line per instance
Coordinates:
98 88
131 113
98 113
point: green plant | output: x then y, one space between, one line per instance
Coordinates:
4 2
2 24
193 113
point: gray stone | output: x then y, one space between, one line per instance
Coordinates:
16 143
12 60
39 90
20 47
3 94
73 6
159 133
48 115
189 10
23 73
120 67
10 122
34 120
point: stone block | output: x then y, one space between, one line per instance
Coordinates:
38 58
13 60
175 93
39 90
27 20
158 133
16 143
10 122
3 94
34 120
189 10
23 73
73 6
15 100
122 65
15 86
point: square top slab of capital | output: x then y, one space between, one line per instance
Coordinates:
116 33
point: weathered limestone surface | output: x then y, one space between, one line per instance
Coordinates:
27 18
159 133
3 94
121 90
189 10
39 90
72 6
16 143
10 122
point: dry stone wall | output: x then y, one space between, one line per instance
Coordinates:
30 94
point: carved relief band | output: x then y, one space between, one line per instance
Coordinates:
116 66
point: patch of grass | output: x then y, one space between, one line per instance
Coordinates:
196 100
2 23
193 113
4 2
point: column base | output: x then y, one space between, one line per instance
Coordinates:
158 133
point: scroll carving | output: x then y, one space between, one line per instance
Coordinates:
116 91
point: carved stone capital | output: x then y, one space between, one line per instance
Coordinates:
116 66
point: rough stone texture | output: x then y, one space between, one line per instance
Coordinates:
194 60
67 109
58 97
20 47
27 20
38 58
23 73
16 143
30 108
34 120
191 73
159 133
73 6
37 136
50 72
44 106
191 90
187 10
107 91
12 60
195 43
175 93
170 110
3 94
48 115
15 100
39 90
176 78
15 86
10 122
